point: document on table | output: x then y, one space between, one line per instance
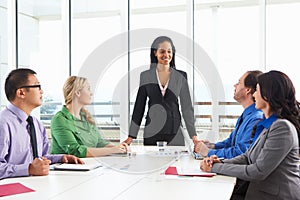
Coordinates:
193 172
89 165
13 188
172 170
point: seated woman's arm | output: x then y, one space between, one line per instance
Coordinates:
111 149
64 141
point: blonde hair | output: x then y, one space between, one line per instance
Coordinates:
73 84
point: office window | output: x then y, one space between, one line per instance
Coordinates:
229 33
4 69
93 23
43 48
99 54
283 42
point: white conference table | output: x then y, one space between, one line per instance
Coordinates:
122 178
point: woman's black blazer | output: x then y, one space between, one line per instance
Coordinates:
163 117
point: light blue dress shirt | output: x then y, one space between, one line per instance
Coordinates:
15 147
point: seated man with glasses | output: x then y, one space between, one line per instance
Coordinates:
23 139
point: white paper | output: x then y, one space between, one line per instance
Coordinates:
184 171
76 167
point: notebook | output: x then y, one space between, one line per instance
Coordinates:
172 170
77 167
13 188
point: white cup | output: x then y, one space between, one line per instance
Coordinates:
161 145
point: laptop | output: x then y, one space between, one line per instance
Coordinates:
190 145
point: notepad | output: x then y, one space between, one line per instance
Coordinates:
13 188
183 171
76 167
187 172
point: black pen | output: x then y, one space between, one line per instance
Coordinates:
221 160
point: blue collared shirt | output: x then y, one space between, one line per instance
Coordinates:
263 124
15 147
239 139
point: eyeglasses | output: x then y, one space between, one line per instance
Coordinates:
31 86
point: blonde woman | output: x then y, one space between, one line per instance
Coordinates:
73 129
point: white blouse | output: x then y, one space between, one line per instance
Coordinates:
162 89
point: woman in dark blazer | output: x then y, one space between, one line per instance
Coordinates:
162 85
271 165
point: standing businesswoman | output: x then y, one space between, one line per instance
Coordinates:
271 165
73 129
163 85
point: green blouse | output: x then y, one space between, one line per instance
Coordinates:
71 135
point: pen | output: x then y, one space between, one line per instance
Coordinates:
209 162
221 160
